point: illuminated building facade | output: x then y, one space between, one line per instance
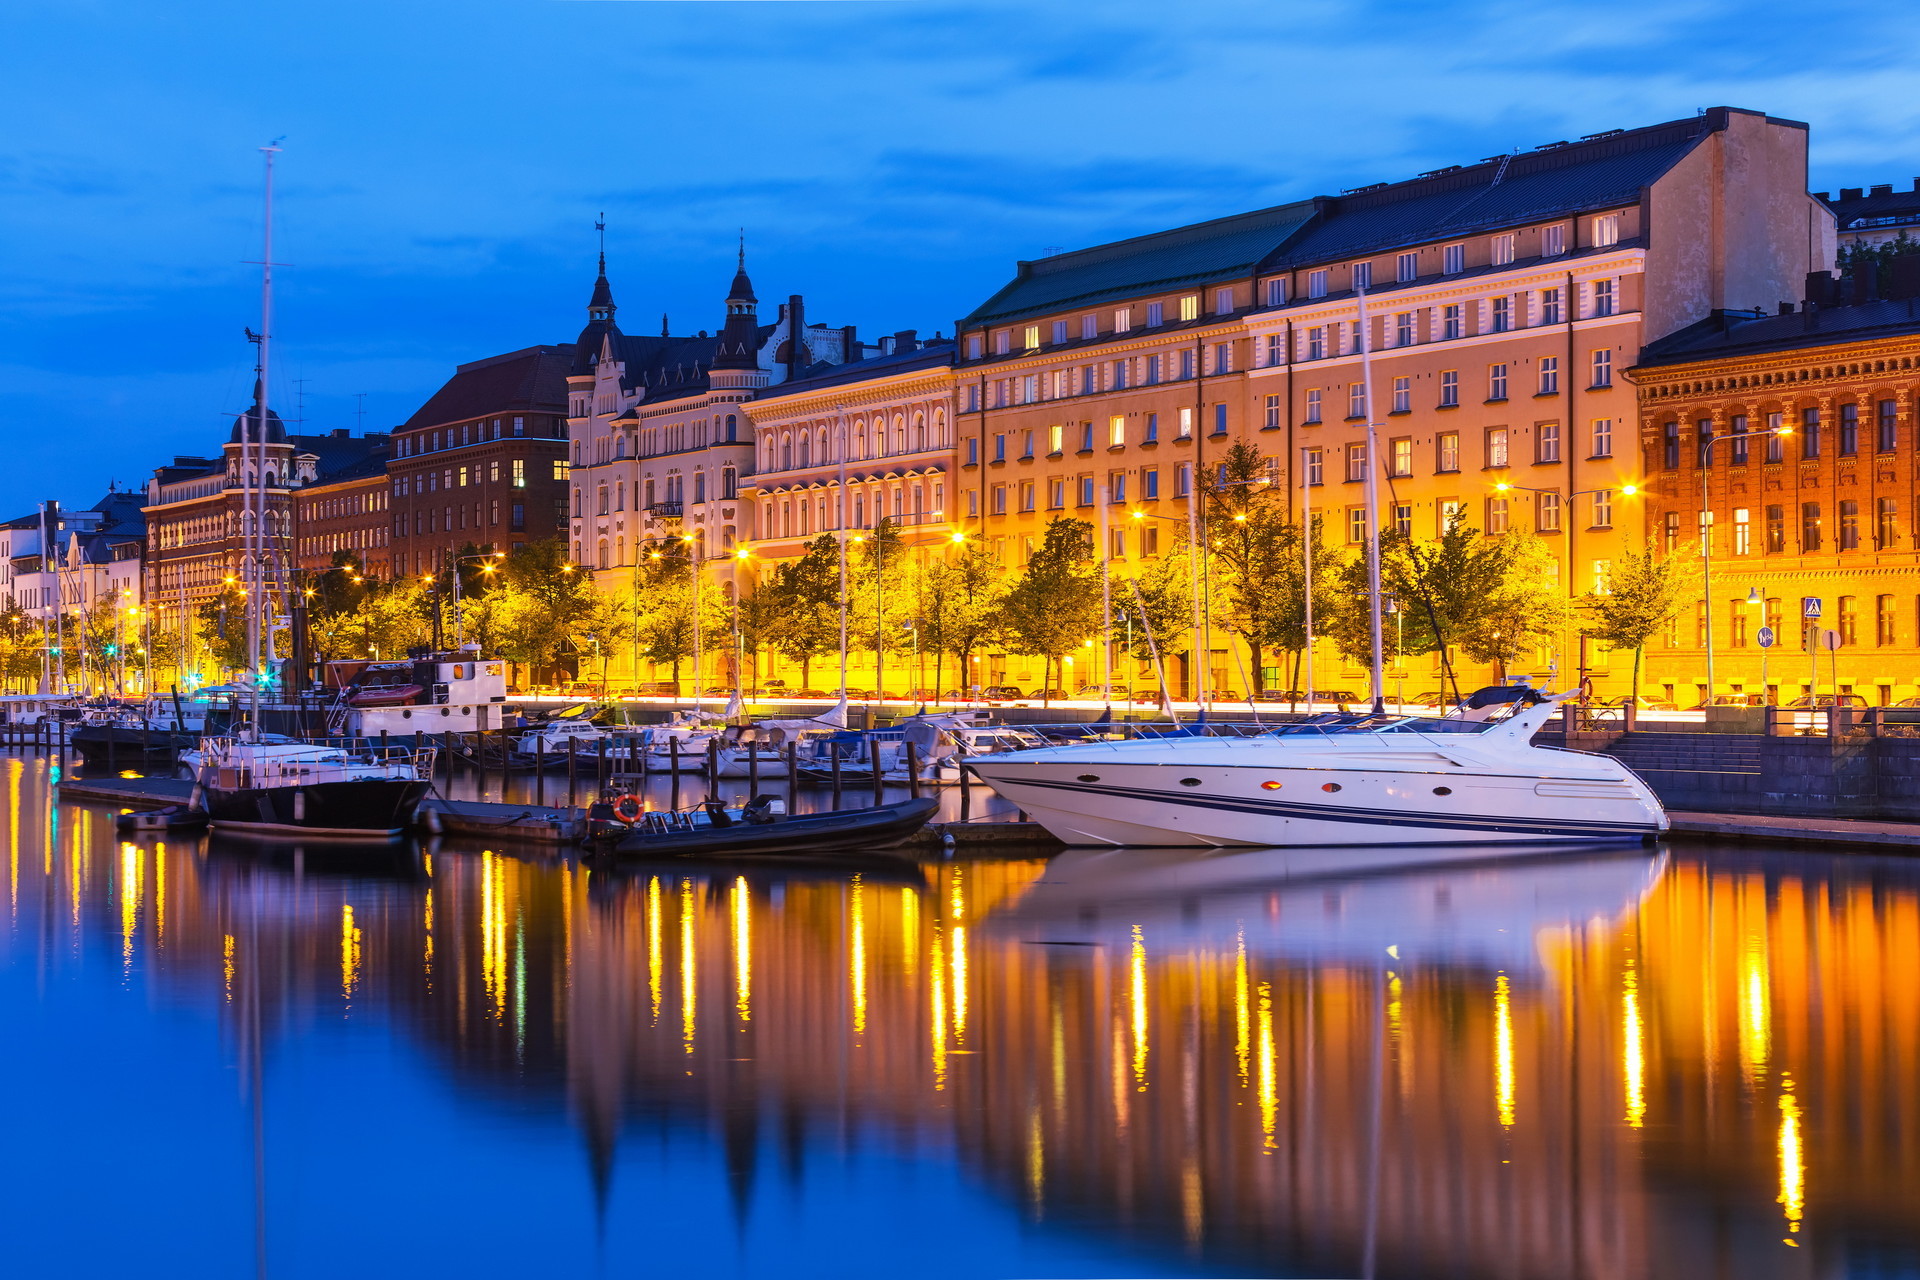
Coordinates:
1500 302
1828 512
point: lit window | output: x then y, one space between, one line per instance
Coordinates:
1117 429
1447 451
1190 307
1032 337
1496 515
1356 524
1122 319
1496 446
1402 456
1186 422
1547 442
1549 518
1606 230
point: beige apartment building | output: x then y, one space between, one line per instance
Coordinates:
1500 303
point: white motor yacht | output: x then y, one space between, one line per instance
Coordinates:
1474 777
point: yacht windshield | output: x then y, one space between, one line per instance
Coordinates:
1381 724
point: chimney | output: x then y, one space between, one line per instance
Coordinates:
797 354
1850 193
340 433
1821 288
1884 189
1863 282
1903 276
906 340
1786 308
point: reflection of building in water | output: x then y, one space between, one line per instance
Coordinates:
1583 1067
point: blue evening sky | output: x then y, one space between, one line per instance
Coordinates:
888 159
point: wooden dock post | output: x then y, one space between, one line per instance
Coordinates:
833 750
793 775
673 767
913 771
879 783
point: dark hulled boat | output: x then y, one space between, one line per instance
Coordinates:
754 829
320 792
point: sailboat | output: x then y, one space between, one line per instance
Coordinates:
246 782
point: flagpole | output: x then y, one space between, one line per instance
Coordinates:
1373 509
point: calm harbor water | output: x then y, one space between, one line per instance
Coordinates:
474 1061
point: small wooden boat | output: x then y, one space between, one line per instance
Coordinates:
175 817
758 828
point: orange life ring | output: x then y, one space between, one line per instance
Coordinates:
627 808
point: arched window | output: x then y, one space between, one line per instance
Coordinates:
732 423
919 431
859 441
806 449
899 433
859 510
939 428
820 445
786 453
619 551
603 554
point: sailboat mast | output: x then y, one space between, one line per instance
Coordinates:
255 492
1373 507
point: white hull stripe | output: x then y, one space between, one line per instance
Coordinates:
1370 817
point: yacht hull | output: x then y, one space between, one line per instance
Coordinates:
362 809
1222 805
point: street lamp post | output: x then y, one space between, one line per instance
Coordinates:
693 569
490 558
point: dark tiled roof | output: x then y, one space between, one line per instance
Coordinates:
1743 333
340 453
1531 187
1899 206
1217 250
533 380
929 355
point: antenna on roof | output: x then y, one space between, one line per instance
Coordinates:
300 399
360 412
663 324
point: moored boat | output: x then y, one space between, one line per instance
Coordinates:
319 792
760 828
1474 777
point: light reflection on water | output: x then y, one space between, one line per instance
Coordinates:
480 1061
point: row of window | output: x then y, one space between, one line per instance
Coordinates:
451 519
1059 332
911 504
477 433
1497 451
1811 431
1813 536
672 491
1443 323
345 540
1740 617
461 477
1150 370
346 504
1118 432
813 445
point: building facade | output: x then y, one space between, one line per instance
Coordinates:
197 522
1875 215
483 463
1819 501
347 516
1496 304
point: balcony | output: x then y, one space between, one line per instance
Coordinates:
666 510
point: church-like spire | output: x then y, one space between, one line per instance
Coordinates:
739 345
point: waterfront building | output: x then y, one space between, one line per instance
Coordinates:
1499 301
78 574
1829 513
346 519
1875 215
482 465
195 532
660 437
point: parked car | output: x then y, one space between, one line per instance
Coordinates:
1643 703
1001 693
1730 700
657 689
1049 695
1101 693
1803 702
925 695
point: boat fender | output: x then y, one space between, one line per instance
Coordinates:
627 808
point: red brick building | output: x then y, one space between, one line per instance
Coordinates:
483 462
